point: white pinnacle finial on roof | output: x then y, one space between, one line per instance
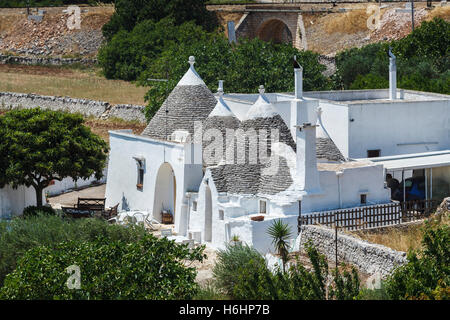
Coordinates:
261 89
191 77
319 112
262 108
192 60
221 109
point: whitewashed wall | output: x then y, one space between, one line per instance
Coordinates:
13 201
122 173
425 126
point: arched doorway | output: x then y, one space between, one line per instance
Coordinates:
208 214
165 191
274 30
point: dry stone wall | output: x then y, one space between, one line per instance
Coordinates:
97 109
8 59
367 257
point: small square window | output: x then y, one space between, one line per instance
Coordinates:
221 214
194 206
363 198
373 153
262 206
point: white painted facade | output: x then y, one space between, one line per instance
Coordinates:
357 121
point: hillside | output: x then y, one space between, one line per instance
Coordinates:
51 37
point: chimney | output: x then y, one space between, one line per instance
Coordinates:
301 118
392 76
307 174
298 74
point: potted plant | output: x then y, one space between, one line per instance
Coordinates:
235 240
257 218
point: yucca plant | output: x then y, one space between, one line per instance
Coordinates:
280 233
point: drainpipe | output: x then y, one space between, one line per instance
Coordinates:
339 174
392 76
431 183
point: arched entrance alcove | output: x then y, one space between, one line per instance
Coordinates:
208 214
274 30
165 191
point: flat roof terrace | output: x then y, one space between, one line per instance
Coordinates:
374 96
344 96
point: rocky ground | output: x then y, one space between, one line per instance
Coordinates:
52 36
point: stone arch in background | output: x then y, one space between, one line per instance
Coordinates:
275 30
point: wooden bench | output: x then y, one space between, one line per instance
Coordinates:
93 204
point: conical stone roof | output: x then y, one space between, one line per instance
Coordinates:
189 101
326 149
220 119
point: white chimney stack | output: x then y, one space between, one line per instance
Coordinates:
392 76
298 74
307 173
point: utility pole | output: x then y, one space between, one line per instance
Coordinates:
412 14
336 240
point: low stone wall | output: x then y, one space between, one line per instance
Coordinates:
128 112
53 61
97 109
367 257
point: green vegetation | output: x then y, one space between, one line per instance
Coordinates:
32 211
149 268
19 235
423 61
129 13
242 273
427 274
161 50
38 146
280 234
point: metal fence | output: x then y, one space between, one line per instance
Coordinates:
371 216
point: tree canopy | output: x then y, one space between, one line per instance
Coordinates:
149 268
130 13
423 61
38 146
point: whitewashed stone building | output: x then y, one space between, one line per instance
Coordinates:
215 162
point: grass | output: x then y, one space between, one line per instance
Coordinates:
72 82
349 22
440 12
101 127
399 239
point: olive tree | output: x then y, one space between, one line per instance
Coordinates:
38 146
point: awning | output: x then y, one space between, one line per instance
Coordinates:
414 161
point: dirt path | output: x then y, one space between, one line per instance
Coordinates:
71 198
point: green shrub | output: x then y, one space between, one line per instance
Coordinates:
374 294
423 61
129 13
229 260
149 268
243 274
426 275
19 235
32 211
